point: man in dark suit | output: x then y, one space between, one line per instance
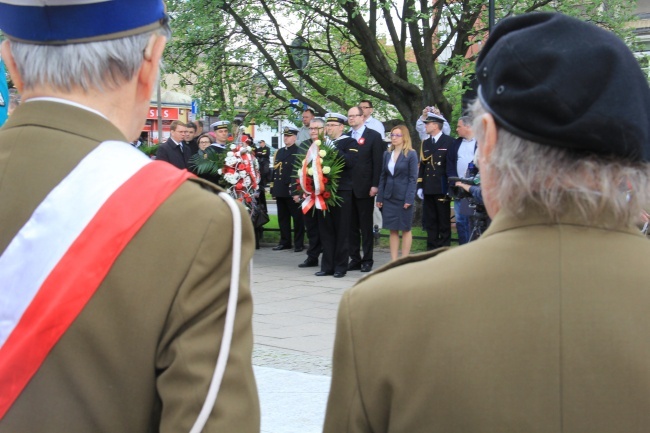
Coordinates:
191 138
284 192
432 184
334 225
173 151
365 178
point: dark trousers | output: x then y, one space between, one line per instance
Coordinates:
334 227
313 235
361 230
289 210
436 220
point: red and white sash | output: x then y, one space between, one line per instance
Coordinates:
58 259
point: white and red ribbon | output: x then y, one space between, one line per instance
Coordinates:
313 191
58 259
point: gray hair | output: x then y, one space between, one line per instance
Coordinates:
531 177
318 120
103 65
467 120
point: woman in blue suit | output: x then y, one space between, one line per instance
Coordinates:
397 185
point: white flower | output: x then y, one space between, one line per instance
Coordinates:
230 154
247 181
326 170
244 150
230 160
233 146
220 171
317 142
322 153
231 178
321 160
310 171
243 174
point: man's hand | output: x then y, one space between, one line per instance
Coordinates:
296 198
373 191
463 185
407 205
379 204
420 194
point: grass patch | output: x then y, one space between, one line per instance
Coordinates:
419 245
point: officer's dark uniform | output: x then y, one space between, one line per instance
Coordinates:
334 226
432 178
282 190
263 155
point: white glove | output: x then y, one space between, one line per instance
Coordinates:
420 194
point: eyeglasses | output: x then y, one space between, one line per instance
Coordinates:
315 129
362 107
354 115
395 135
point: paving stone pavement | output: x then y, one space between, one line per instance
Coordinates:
294 321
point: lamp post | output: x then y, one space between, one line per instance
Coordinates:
490 15
300 55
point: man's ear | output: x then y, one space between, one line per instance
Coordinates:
148 74
10 63
490 135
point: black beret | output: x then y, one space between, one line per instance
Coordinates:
563 82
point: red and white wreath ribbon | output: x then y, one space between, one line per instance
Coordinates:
314 190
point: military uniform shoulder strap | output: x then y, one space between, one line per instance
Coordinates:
405 260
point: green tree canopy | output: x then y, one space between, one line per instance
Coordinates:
401 54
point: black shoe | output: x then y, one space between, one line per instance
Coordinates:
281 247
339 274
309 263
366 267
354 266
322 273
298 249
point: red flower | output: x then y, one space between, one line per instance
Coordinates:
326 195
248 199
325 179
361 141
230 138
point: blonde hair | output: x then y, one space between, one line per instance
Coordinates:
406 138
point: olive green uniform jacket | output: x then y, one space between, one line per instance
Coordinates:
535 327
140 356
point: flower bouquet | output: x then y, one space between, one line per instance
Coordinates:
238 171
241 174
318 176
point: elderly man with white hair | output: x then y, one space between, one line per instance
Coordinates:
542 323
116 313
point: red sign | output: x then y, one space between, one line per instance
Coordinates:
167 113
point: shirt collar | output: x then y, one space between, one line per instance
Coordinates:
67 102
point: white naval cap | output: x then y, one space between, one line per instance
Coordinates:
220 124
335 117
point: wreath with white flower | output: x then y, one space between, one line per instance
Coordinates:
238 168
318 176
